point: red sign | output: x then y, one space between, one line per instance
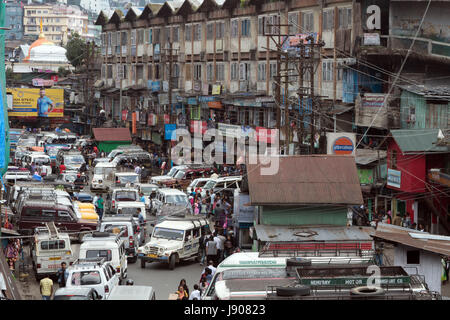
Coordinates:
151 119
133 123
266 135
198 126
54 78
167 118
124 115
215 104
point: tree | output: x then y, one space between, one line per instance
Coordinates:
76 50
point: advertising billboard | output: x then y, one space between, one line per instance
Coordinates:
29 103
342 143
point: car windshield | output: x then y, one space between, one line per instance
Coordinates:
172 172
98 170
74 159
179 175
165 233
177 199
113 153
107 254
126 196
130 211
147 190
85 278
42 161
210 184
127 179
71 177
116 229
200 184
70 297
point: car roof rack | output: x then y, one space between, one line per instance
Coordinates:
90 261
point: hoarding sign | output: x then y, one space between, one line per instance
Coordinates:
265 135
198 126
28 103
394 178
124 115
342 143
170 132
372 100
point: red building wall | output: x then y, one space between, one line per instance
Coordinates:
412 168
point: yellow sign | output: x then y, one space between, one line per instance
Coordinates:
216 89
29 102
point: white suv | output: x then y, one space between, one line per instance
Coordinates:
93 273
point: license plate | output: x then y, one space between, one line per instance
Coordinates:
55 258
152 256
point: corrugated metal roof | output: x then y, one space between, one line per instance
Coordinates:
300 233
366 156
418 140
402 235
111 134
312 179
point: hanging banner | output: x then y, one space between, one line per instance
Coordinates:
394 178
124 115
166 118
151 119
216 89
266 135
198 126
133 123
170 132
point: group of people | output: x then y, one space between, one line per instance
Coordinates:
46 284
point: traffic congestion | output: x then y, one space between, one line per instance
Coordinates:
85 216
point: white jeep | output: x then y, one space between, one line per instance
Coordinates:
173 240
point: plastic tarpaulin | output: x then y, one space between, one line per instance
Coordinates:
4 128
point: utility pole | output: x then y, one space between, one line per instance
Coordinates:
169 55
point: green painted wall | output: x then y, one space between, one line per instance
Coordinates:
288 215
108 146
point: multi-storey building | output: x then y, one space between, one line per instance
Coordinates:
95 6
14 20
224 64
59 21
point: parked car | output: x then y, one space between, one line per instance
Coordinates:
170 196
76 293
122 179
103 176
132 293
93 273
122 194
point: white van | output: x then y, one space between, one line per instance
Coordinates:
222 183
40 159
170 196
49 249
104 245
103 176
132 293
252 274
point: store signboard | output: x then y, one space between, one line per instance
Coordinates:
394 178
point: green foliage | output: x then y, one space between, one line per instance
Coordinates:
62 72
76 50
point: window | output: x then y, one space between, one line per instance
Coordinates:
327 71
133 37
394 159
140 72
234 71
149 72
209 71
64 215
245 28
53 245
157 32
273 70
244 71
188 72
175 34
149 36
293 22
307 22
209 31
198 32
261 26
176 70
103 72
220 30
220 72
328 19
81 278
107 254
261 71
124 38
167 34
188 32
413 257
110 72
125 71
234 28
345 18
140 36
157 71
197 72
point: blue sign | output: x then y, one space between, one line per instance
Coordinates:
156 86
206 98
192 101
169 132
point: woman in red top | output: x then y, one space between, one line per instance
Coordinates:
62 168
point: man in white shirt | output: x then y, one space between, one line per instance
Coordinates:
2 286
212 268
195 294
220 243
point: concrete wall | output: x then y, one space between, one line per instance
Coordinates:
430 266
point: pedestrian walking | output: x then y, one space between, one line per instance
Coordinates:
46 286
229 246
203 285
196 294
220 241
62 274
202 248
211 249
100 203
182 294
183 283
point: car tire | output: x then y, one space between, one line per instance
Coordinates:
293 291
142 263
172 261
366 291
298 263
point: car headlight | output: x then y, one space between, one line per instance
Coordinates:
160 250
